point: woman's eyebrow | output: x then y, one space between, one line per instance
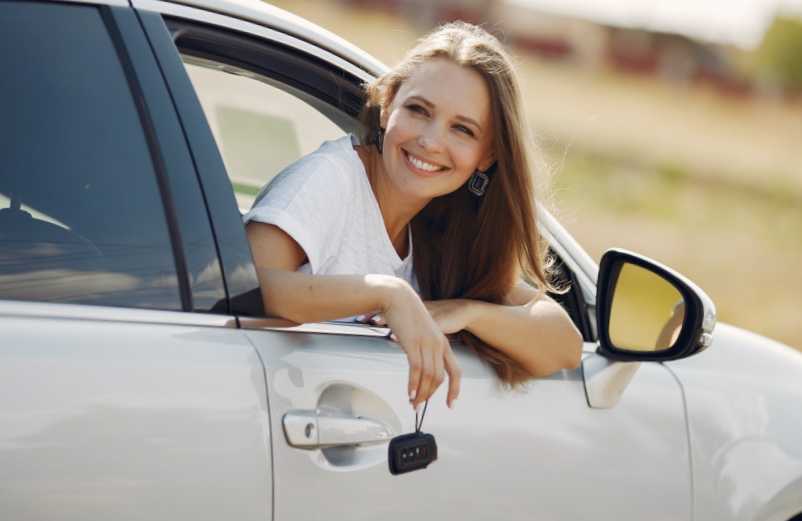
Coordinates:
431 105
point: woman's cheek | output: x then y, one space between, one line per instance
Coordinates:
408 128
466 155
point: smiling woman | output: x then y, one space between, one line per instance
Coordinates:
443 165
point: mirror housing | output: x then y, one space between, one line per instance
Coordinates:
676 339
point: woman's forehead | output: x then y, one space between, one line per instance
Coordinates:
449 87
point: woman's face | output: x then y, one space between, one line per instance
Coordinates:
438 130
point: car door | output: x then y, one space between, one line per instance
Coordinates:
124 392
337 390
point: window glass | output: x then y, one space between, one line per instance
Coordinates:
259 126
81 216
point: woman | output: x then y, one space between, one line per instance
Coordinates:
443 166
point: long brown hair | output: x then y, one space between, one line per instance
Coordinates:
469 247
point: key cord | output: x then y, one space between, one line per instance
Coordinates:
418 426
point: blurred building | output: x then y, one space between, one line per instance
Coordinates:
684 41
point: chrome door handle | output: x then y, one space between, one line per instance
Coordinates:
319 429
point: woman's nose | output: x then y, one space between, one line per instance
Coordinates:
431 138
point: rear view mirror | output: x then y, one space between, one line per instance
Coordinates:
646 311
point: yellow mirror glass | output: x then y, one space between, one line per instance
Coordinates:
647 311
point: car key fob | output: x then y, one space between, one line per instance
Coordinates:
410 452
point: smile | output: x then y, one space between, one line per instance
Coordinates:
420 165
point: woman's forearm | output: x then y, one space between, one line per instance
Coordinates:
302 297
539 335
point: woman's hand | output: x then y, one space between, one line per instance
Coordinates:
427 348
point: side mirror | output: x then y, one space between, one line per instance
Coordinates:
648 312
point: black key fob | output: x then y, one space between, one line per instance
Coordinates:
410 452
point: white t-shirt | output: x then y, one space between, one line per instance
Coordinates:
324 201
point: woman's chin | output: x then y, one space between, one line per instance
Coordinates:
429 192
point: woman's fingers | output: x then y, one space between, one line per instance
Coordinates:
415 367
439 371
427 376
454 377
433 371
423 341
376 319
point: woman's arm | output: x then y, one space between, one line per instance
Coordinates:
302 297
530 327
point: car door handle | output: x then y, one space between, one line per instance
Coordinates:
318 429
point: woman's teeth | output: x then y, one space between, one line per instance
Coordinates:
423 165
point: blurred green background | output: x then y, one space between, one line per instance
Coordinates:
674 136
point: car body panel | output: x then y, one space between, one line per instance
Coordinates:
134 418
743 399
493 444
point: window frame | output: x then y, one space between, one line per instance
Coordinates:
122 31
173 161
281 67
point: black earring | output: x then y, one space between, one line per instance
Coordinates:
378 139
478 182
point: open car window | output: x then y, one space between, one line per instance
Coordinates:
268 106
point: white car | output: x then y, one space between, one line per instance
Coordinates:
139 380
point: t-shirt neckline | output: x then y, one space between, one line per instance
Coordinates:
354 156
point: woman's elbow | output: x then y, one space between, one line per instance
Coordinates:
567 354
573 348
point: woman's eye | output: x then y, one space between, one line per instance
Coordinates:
418 109
465 130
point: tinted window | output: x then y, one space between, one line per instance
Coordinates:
81 216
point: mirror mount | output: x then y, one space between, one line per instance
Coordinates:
605 380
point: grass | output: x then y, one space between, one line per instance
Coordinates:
743 248
245 189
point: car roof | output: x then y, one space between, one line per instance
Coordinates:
273 17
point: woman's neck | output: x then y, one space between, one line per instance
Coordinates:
397 211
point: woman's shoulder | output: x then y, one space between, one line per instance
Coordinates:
333 168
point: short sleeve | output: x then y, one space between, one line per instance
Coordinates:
307 200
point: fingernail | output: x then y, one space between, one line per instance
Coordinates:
412 395
418 408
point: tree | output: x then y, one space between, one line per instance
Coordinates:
779 58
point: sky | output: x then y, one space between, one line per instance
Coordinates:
737 22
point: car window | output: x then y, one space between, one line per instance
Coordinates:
259 125
81 215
